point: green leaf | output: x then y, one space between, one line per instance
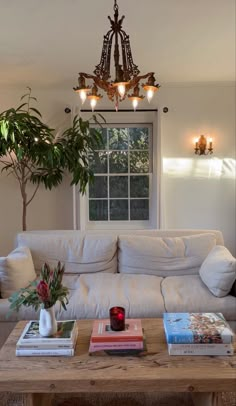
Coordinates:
36 111
20 107
4 129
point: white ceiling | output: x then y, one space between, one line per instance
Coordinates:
47 42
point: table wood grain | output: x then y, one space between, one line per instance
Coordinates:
155 371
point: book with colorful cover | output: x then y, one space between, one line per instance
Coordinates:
197 328
65 337
200 349
102 332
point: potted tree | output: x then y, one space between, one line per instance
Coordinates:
32 154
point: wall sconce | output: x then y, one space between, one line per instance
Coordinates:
203 146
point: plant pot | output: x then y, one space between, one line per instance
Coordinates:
47 322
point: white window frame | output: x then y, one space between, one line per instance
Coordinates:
80 203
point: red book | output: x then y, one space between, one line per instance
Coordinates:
102 332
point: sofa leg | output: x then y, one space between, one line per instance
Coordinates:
207 399
37 399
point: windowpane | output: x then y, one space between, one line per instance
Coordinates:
118 138
98 210
118 162
98 188
138 138
98 162
118 186
139 162
139 186
103 132
119 210
139 209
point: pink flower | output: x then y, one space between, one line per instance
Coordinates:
43 291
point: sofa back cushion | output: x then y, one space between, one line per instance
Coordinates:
163 256
80 252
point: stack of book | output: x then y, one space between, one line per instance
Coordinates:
198 334
130 340
63 343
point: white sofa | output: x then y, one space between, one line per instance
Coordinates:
148 272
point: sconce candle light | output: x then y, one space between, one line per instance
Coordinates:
203 146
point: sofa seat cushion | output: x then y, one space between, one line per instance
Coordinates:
189 294
140 295
28 313
25 313
80 252
165 256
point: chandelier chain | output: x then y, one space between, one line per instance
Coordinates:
115 5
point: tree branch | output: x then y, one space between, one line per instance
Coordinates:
30 200
15 171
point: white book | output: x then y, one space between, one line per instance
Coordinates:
66 352
65 335
48 345
200 349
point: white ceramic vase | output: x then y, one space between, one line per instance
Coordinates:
47 322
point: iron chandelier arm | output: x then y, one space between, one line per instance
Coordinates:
133 82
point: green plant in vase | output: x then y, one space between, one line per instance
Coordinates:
43 293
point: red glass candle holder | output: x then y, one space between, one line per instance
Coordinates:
117 318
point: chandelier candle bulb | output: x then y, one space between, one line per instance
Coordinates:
121 90
135 104
83 96
150 94
93 103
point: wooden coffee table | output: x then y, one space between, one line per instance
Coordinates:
38 378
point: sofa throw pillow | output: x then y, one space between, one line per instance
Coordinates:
167 256
16 271
218 271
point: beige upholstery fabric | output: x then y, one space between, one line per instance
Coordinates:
140 295
218 271
96 293
80 252
189 294
16 271
163 256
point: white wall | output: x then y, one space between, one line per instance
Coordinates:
197 192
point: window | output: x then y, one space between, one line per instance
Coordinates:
122 185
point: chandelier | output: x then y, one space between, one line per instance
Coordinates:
127 76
